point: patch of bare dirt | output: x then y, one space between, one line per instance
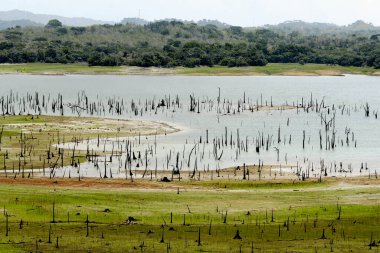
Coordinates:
88 183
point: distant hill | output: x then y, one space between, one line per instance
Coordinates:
44 18
359 27
24 18
134 21
14 23
203 22
298 25
216 23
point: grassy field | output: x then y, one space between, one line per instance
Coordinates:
281 70
270 69
55 69
269 218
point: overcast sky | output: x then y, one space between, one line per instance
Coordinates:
235 12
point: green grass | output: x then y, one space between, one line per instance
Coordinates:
23 119
315 208
270 69
59 69
281 69
247 184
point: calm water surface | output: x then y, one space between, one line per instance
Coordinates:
347 94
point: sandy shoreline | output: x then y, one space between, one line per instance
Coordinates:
269 70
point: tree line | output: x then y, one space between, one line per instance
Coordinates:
173 43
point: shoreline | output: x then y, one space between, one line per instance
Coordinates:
269 70
329 183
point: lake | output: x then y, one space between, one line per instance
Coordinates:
291 137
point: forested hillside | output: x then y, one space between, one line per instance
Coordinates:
173 43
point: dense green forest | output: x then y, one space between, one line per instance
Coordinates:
174 43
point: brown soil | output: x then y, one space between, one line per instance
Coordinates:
147 185
88 183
